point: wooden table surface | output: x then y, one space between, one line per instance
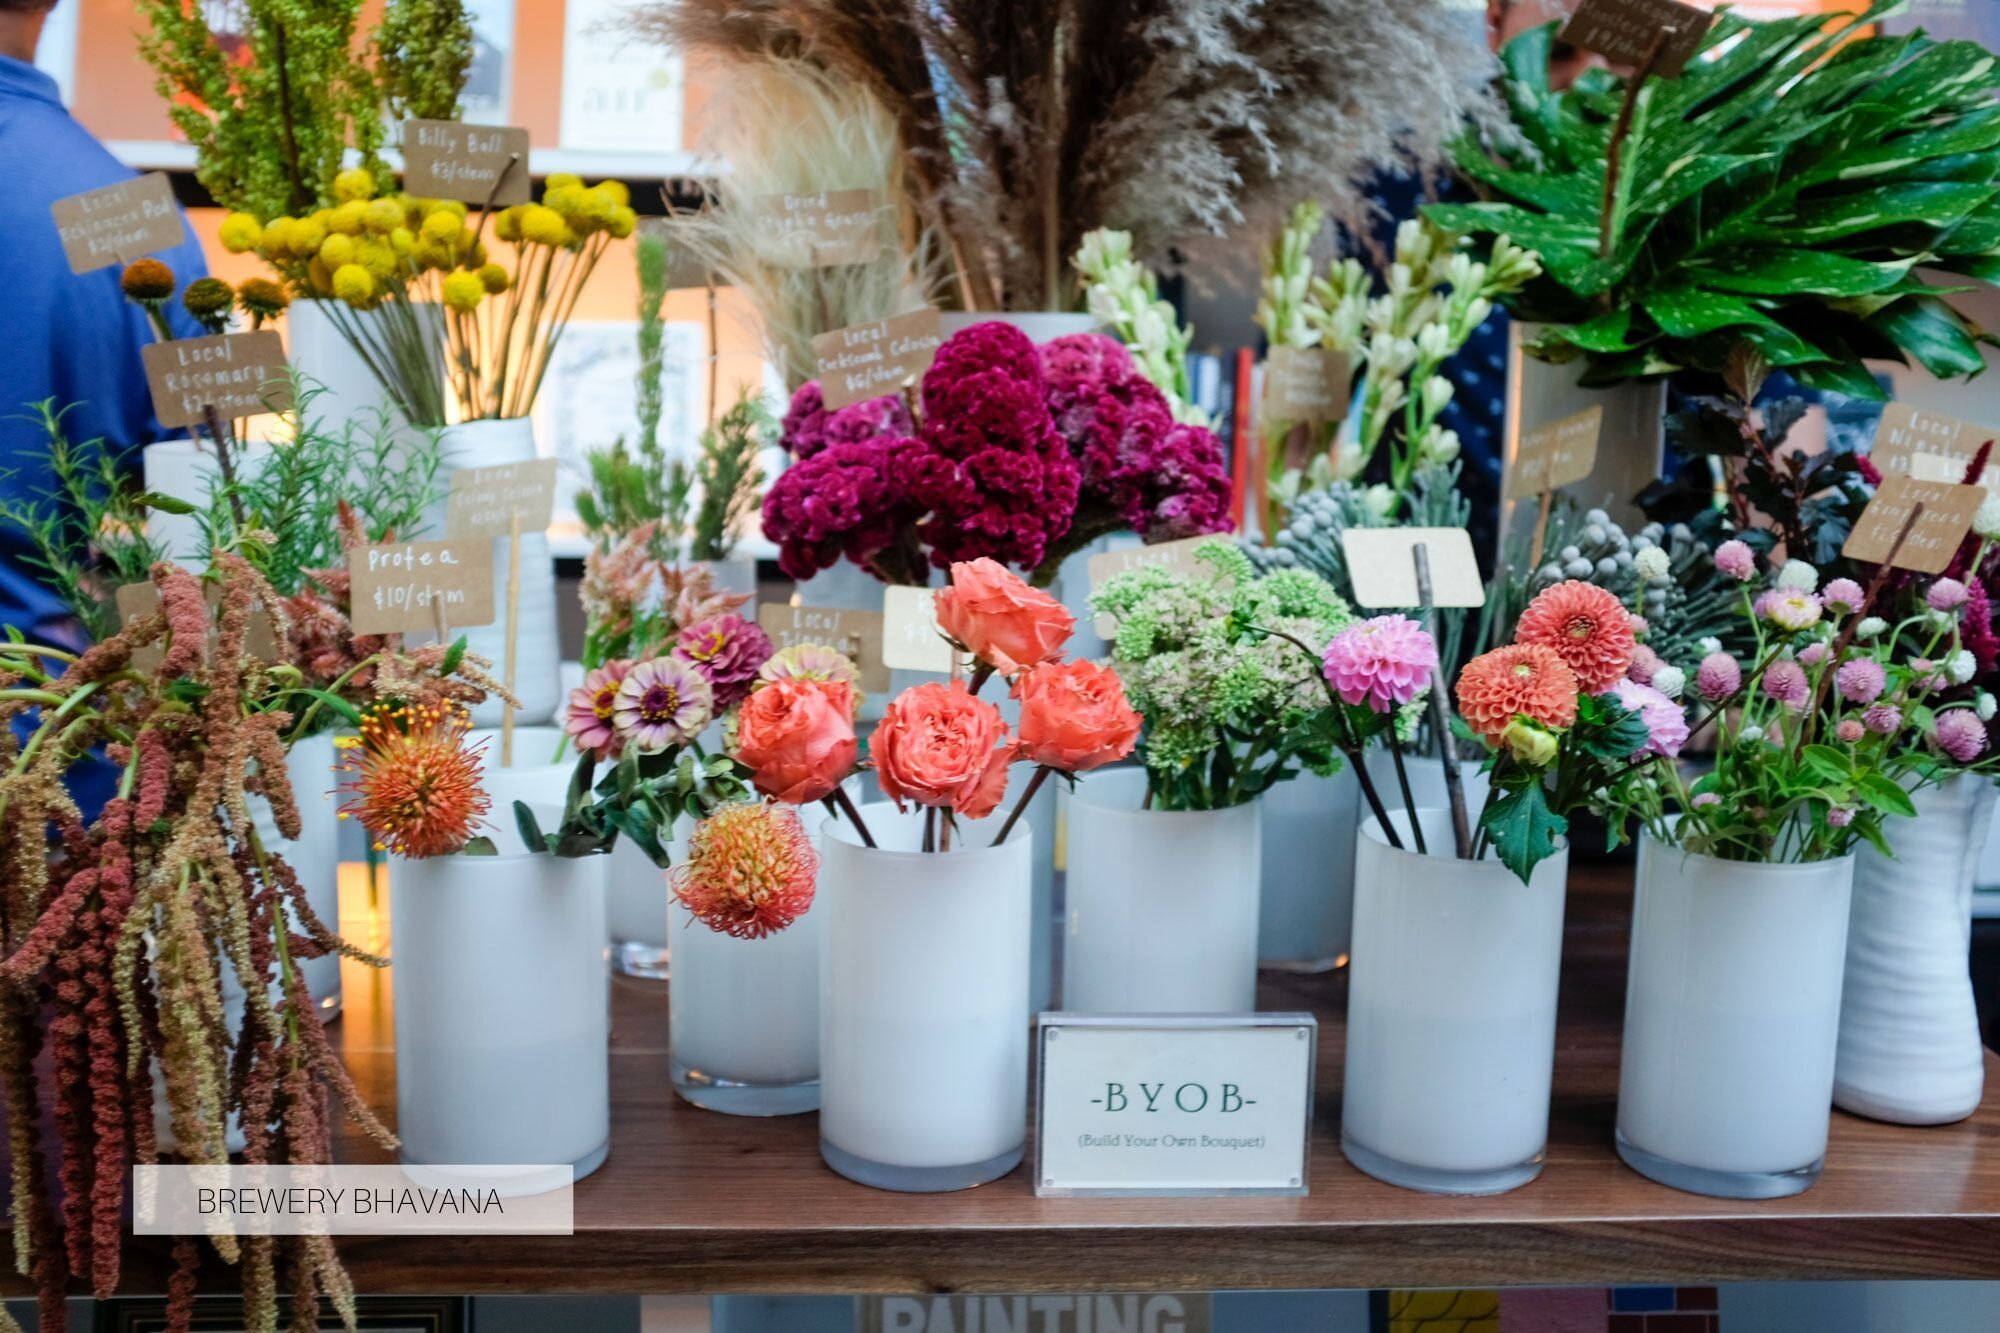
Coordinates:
694 1202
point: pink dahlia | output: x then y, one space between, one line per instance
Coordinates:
729 650
1736 559
662 702
1860 680
1718 677
1666 723
1785 681
1585 626
589 718
1961 734
1383 663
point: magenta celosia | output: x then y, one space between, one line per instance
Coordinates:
729 650
845 501
1383 663
809 427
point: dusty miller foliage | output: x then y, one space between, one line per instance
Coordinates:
1029 124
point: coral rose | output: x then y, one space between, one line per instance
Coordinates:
797 738
937 745
1000 619
1074 717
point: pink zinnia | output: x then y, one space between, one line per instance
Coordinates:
729 650
1860 680
1736 559
1718 677
589 720
1383 663
1785 681
1961 735
662 702
1666 724
1946 595
1883 719
1842 595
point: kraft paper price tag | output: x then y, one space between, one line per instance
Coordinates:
1623 32
1382 566
1176 557
401 586
864 361
485 500
911 639
448 159
118 223
858 634
1305 384
1159 1104
1557 454
822 229
135 600
238 374
1947 517
1930 446
1154 1312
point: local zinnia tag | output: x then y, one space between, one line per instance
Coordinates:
485 501
1557 454
118 223
448 159
1947 515
237 374
407 586
1625 32
911 639
857 634
1382 566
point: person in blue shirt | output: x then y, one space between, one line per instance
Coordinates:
72 338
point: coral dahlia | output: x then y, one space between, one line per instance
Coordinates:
1520 680
1586 627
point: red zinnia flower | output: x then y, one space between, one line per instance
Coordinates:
416 781
1585 626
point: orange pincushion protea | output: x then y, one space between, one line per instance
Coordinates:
416 782
1520 680
1585 626
750 870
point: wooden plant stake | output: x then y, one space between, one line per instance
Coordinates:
513 633
1545 502
1454 785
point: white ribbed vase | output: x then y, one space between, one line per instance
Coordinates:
1910 1050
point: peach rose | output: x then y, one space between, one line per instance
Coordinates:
797 738
937 745
1074 716
1000 619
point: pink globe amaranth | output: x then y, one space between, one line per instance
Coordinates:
1785 682
1382 663
1645 665
1961 734
1860 680
1735 559
1843 595
1883 719
1718 677
1946 594
1850 730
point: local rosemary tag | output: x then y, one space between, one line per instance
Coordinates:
864 361
1557 454
1627 32
118 223
449 159
1305 384
403 586
911 639
1383 572
1948 510
858 634
237 374
484 501
824 228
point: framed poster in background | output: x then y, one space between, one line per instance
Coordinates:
489 84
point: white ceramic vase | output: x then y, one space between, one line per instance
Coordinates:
536 776
923 1005
314 855
503 1019
538 660
1161 905
1910 1050
743 1017
1306 914
1427 787
327 362
1451 1013
1732 1014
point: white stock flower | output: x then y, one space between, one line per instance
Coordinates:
1653 563
1984 705
1961 666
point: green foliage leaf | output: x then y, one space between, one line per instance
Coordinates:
1885 795
1523 828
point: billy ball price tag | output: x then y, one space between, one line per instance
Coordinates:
485 501
405 586
1885 532
448 159
1626 32
864 361
858 634
1174 1104
118 223
237 374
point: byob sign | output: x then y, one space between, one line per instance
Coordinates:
1167 1104
118 223
406 586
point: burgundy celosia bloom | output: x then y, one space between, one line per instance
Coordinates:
809 427
847 500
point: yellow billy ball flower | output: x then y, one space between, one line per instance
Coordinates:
441 226
382 216
623 222
347 218
241 232
276 240
543 226
567 200
558 179
402 240
620 195
376 257
462 291
307 236
356 183
336 250
475 252
147 280
429 254
494 278
354 284
507 226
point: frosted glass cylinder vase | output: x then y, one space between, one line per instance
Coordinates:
1910 1050
1162 905
538 655
1451 1013
314 855
923 1005
1305 917
536 776
637 906
503 1018
1732 1015
743 1017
